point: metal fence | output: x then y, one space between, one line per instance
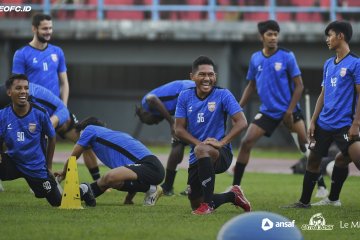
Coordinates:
211 8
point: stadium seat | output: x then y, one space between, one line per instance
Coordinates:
229 16
308 17
283 17
195 15
118 15
86 14
353 3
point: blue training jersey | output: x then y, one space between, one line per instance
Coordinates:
52 104
24 138
273 76
113 148
339 80
168 95
206 117
41 66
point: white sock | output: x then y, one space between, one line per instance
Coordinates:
152 188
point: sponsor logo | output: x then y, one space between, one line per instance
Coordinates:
317 222
205 181
267 224
333 81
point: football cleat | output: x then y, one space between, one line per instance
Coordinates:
87 195
240 199
322 192
152 197
327 202
203 209
186 191
297 205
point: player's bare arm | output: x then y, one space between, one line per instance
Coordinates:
50 152
318 106
299 87
155 103
64 87
354 129
249 90
183 134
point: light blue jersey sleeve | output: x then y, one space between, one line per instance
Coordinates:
181 105
251 75
230 104
18 63
293 68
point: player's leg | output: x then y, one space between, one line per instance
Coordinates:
299 134
45 188
195 195
175 157
323 141
338 177
235 195
299 130
253 133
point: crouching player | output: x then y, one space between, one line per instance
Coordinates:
133 167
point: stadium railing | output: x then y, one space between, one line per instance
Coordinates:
211 10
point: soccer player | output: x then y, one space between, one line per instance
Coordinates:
275 75
28 154
336 117
23 127
200 120
62 120
159 104
133 167
42 62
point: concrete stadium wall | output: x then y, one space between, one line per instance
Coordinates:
167 44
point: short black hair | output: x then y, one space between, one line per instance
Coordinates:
37 18
268 25
202 60
340 27
89 121
9 82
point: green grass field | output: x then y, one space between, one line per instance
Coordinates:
25 217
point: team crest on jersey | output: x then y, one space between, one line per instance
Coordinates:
278 66
211 106
32 127
343 72
54 57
